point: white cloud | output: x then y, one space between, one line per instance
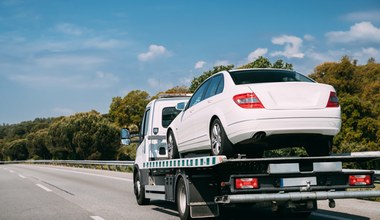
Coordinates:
363 32
308 37
154 52
69 29
200 64
292 46
365 53
320 57
373 16
370 51
256 54
222 63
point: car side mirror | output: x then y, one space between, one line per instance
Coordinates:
180 106
125 137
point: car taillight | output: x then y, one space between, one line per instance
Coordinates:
246 183
333 101
355 180
248 100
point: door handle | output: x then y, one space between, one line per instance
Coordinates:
209 101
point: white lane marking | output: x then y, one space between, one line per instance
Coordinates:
11 171
21 176
44 188
329 216
97 218
93 174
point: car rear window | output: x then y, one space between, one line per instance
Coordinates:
267 76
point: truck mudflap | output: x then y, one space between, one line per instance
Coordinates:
295 196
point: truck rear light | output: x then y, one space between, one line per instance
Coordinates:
333 101
248 100
246 183
355 180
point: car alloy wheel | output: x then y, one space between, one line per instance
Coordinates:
220 145
216 139
172 146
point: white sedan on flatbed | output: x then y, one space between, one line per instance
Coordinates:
247 111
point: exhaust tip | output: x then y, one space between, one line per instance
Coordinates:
259 136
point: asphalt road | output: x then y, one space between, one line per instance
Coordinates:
50 192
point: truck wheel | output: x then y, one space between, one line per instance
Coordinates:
172 146
220 145
182 206
139 190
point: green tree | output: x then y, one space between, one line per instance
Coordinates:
340 75
16 150
86 136
37 145
129 110
127 152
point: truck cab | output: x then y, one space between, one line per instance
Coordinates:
152 137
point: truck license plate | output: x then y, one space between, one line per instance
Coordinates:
299 181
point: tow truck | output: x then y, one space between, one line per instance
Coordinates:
202 186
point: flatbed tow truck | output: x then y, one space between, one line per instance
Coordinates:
202 186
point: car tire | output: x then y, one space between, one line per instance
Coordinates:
182 206
139 190
172 146
220 144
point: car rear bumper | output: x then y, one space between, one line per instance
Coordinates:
244 130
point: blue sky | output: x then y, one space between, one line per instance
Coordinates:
63 57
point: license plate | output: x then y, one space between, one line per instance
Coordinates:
299 181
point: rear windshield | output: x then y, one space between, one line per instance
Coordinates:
267 76
168 115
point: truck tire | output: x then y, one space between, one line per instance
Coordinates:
182 206
220 144
172 146
139 190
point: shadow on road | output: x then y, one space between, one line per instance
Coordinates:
165 207
249 213
324 214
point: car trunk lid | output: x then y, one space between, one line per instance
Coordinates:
292 95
